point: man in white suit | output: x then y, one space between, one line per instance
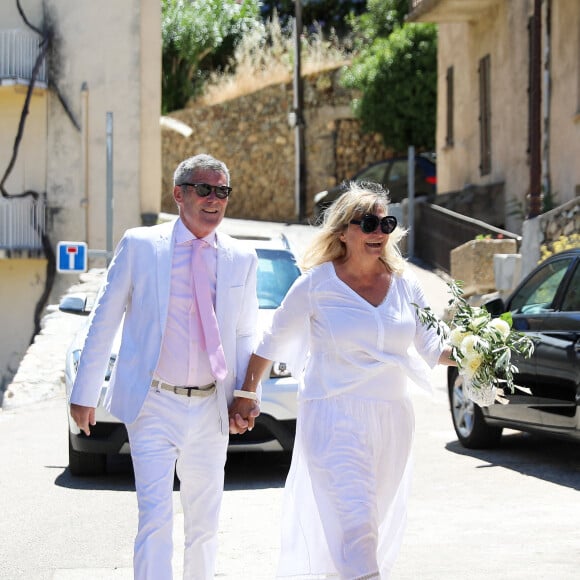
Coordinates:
172 385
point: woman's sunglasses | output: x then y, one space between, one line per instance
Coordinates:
369 222
204 189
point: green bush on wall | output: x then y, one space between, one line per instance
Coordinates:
397 77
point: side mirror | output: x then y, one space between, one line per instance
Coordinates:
495 307
75 304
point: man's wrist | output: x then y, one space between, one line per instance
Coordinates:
242 394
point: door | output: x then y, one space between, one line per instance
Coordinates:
545 308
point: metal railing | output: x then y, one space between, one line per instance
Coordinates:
21 220
439 230
18 53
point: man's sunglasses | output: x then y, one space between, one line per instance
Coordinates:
369 222
204 189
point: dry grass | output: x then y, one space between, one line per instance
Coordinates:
267 58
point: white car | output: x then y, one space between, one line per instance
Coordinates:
275 427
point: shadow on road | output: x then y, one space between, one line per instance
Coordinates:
119 477
545 458
256 470
243 471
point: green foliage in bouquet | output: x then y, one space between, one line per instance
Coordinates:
482 346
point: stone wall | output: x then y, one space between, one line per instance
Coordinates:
561 221
545 229
252 135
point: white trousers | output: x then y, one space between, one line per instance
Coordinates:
177 433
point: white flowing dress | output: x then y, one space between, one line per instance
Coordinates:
346 493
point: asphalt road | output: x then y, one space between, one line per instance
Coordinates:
512 513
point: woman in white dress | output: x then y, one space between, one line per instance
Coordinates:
348 325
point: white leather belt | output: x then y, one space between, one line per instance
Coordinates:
203 391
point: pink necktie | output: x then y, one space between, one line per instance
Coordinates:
200 282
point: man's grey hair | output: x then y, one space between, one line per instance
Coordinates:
189 167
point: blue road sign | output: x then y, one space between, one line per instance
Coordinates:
71 257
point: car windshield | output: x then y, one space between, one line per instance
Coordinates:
277 270
571 302
375 173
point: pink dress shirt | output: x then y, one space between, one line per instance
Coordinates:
179 365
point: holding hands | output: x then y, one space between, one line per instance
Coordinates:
246 404
242 413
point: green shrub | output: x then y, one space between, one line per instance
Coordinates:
397 78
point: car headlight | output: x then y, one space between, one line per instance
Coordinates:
279 369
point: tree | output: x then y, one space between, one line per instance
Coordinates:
327 14
200 36
396 72
379 20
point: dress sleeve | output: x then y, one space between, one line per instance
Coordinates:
288 337
428 343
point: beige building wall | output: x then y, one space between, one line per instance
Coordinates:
564 148
502 35
21 279
29 171
502 32
21 283
105 57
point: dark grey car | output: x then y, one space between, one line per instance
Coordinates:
392 174
546 307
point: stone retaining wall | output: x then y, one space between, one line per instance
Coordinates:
561 221
253 136
545 229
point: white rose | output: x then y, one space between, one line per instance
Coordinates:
470 364
457 335
500 327
468 344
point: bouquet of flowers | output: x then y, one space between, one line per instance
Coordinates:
482 346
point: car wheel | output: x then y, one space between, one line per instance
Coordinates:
468 420
85 463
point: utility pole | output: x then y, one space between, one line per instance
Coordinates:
297 120
535 208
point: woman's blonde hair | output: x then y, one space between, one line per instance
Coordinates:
359 199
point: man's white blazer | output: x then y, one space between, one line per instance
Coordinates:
137 288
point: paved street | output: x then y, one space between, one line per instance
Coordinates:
507 514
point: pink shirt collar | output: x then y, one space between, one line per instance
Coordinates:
182 235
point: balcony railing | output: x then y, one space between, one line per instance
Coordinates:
21 220
18 53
